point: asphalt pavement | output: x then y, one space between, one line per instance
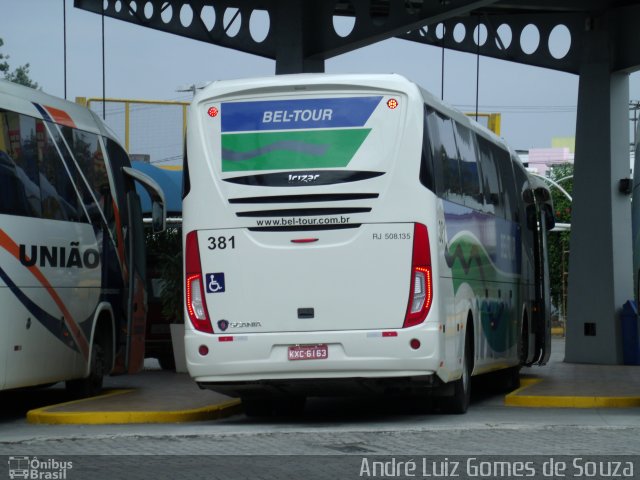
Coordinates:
157 396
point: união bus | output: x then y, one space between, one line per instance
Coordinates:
72 271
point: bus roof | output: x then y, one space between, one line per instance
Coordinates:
388 81
36 103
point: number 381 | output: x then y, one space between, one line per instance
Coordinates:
221 243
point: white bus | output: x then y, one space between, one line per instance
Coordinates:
347 232
72 272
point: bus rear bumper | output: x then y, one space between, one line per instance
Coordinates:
354 361
322 387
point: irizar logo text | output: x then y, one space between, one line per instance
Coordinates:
303 178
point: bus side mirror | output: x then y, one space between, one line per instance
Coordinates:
527 196
550 219
542 195
158 220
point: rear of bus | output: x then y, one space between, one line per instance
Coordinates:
308 237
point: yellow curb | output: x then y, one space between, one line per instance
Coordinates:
211 412
514 399
557 331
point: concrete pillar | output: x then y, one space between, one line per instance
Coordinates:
600 261
298 27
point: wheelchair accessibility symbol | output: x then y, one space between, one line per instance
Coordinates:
214 282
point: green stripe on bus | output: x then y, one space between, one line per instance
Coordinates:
290 150
473 267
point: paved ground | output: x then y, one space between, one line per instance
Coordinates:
155 396
335 436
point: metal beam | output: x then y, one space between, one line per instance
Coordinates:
624 25
301 34
500 37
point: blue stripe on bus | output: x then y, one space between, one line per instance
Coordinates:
51 323
297 114
43 112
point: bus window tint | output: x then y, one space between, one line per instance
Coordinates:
89 157
426 162
117 159
507 181
490 179
469 174
22 148
445 156
59 198
15 185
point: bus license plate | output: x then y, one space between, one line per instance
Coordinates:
308 352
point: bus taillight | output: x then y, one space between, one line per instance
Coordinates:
421 287
196 303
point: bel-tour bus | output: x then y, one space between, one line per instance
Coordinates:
72 272
351 232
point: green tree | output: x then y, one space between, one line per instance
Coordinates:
19 75
559 241
164 253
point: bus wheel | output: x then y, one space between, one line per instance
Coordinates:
459 402
511 379
91 385
257 406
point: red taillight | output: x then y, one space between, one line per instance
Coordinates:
194 289
421 288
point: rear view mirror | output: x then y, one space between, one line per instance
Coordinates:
527 196
542 194
158 219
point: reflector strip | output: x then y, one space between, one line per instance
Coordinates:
382 334
304 240
225 339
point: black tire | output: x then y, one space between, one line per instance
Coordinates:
91 385
257 406
459 402
511 379
167 362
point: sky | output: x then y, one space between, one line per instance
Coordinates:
536 104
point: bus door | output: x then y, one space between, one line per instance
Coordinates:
136 294
542 306
635 219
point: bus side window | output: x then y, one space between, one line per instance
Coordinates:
445 156
118 158
13 190
23 150
426 164
490 179
469 172
59 198
90 159
507 182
